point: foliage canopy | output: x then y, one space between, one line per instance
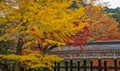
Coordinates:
39 23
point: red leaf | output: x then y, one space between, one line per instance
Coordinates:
76 23
32 29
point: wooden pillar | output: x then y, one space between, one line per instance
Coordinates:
66 66
105 66
71 65
91 66
78 66
99 63
85 69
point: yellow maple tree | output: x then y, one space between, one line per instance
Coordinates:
47 23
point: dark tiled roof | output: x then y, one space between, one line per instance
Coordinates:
104 45
92 50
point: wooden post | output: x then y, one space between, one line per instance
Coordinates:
105 66
99 63
115 65
85 65
66 66
115 62
71 65
78 65
58 67
91 66
55 66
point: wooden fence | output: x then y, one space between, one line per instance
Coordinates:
82 65
85 65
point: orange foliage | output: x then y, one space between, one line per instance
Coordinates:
101 26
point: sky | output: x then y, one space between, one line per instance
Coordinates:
112 3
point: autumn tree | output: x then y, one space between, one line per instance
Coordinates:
102 27
115 13
44 24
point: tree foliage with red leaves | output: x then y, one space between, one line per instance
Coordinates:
80 39
102 27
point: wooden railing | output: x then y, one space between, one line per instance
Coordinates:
85 65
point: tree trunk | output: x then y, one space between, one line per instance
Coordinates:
19 50
17 67
19 46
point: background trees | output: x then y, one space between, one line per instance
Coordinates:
102 27
115 13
